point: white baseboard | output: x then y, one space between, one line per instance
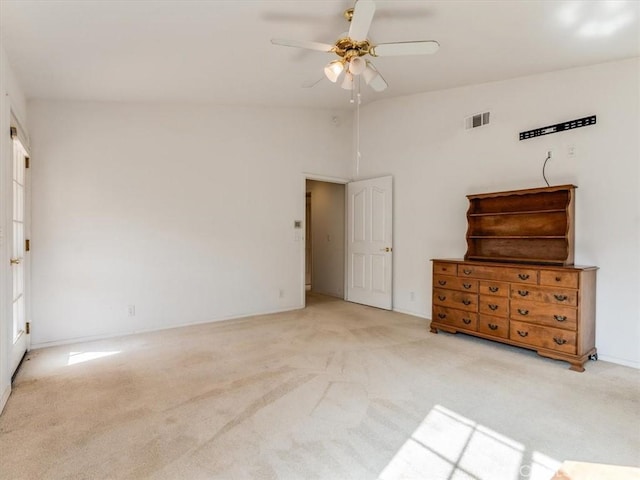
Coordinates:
67 341
5 397
413 314
618 361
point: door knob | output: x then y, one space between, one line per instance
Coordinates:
15 261
388 249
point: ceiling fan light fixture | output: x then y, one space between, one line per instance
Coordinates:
347 83
333 70
357 65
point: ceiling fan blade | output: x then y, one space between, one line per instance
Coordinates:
321 47
373 78
378 83
361 20
312 83
423 47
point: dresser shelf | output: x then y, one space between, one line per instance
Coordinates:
526 226
526 212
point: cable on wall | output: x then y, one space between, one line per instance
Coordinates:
545 166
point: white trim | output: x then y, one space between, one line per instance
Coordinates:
618 361
91 338
324 178
5 397
413 314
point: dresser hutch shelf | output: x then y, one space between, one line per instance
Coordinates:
526 226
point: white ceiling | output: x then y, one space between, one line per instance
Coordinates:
219 51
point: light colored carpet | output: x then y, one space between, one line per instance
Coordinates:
335 391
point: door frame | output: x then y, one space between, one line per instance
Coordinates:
303 209
26 260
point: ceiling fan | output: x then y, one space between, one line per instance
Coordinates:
352 47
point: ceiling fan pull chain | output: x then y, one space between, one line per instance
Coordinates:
358 156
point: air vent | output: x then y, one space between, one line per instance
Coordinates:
477 120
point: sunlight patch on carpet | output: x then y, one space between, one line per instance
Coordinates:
447 445
81 357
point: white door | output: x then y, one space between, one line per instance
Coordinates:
369 242
18 260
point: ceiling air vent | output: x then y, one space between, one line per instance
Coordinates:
477 120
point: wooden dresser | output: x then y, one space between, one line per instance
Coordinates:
549 309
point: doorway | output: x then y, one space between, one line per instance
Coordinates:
325 238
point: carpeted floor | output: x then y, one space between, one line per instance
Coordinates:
335 391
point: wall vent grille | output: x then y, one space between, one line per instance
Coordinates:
477 120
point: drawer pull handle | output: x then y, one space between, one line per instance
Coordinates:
493 326
560 318
523 276
442 316
522 311
466 321
493 306
466 285
560 298
467 272
523 293
466 302
522 334
442 282
442 298
494 289
558 279
559 341
444 269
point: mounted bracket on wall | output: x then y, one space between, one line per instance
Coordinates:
559 127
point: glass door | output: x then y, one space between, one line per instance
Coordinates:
18 260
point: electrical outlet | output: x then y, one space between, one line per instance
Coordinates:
571 151
281 293
412 296
131 310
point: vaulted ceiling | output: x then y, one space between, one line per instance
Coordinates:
219 51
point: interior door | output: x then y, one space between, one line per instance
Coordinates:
18 260
369 242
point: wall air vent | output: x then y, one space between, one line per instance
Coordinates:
477 120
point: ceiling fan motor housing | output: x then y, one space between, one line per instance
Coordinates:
348 48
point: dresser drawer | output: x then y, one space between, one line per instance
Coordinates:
544 314
494 288
545 337
455 283
455 299
559 278
503 274
496 326
445 268
456 318
559 296
492 305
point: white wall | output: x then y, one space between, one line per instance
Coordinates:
327 233
11 100
186 212
421 141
